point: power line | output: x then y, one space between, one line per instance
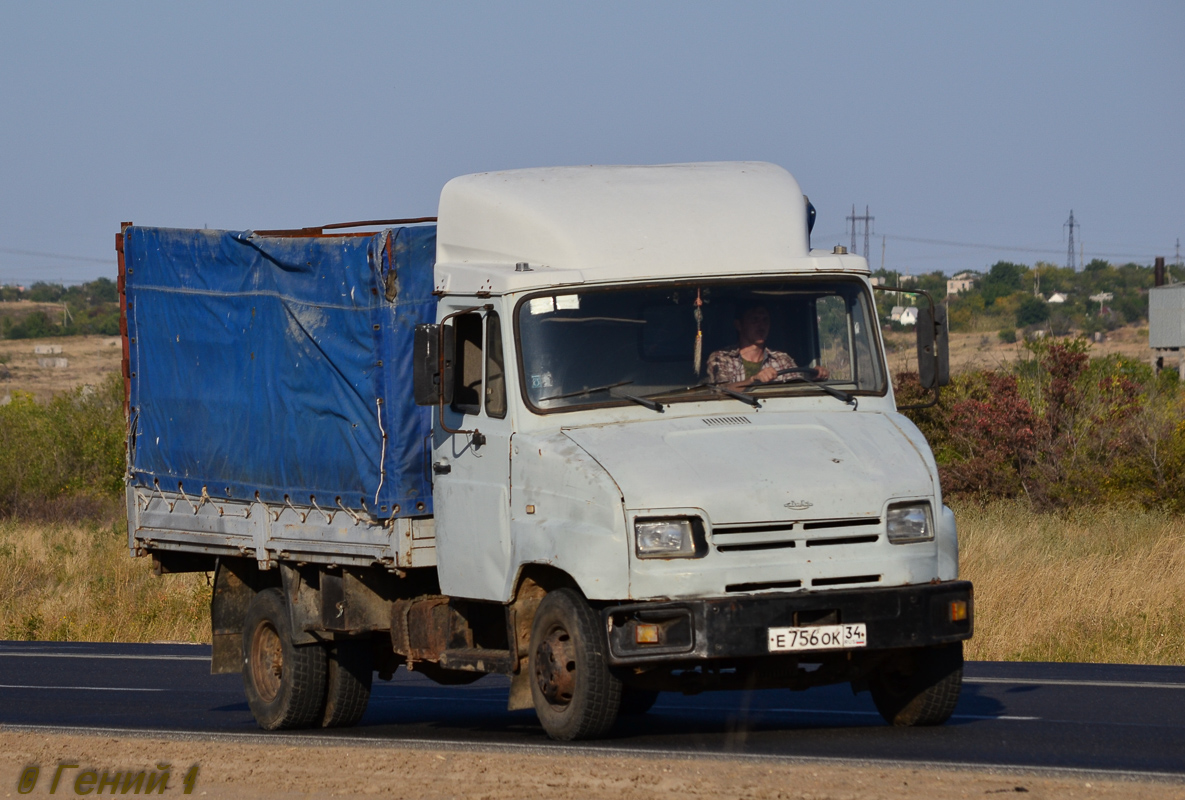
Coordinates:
1005 247
59 256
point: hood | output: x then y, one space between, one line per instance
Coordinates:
761 467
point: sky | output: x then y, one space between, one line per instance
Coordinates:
969 130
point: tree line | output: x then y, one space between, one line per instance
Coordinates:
1007 296
88 308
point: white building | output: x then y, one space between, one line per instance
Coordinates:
1057 297
962 282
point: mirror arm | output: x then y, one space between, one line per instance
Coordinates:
478 438
913 406
933 315
899 290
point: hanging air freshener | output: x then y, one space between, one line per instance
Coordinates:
699 333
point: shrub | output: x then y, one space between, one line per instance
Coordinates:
1007 335
1060 324
992 439
1059 429
35 326
62 453
1031 311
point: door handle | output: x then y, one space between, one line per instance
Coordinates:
442 467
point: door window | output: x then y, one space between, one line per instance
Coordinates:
472 357
467 369
495 375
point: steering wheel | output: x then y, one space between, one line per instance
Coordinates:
810 372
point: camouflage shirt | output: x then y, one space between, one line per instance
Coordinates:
727 366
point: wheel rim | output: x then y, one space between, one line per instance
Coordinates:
267 661
555 667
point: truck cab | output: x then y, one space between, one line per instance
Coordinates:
588 430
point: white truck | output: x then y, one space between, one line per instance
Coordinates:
609 431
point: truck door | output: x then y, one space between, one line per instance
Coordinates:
471 473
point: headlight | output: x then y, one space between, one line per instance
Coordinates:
909 522
664 538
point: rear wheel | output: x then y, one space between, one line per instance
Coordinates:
921 689
575 694
348 677
284 683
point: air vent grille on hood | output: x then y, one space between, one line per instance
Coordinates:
719 422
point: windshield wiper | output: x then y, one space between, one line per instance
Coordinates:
836 393
604 388
642 401
842 396
744 398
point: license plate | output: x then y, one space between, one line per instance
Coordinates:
818 637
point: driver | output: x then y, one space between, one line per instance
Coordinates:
751 362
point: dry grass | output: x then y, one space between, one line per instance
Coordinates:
984 350
1103 585
1095 585
76 582
91 359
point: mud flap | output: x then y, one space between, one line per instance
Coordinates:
520 692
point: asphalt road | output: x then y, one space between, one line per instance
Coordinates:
1099 718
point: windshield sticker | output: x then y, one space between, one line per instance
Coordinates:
541 381
542 305
567 302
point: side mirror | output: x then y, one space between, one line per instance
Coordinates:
428 381
933 347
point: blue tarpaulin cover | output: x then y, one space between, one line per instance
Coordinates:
277 365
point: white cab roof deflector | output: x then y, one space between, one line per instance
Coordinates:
623 223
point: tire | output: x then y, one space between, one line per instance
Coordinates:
284 683
575 694
922 691
636 702
350 668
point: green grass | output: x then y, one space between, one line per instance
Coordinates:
57 454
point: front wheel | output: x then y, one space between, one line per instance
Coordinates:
284 683
922 689
575 694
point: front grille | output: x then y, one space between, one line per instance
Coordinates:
840 523
846 580
842 540
782 535
738 548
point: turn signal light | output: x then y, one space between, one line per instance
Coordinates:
958 610
646 633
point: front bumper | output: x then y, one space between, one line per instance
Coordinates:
738 627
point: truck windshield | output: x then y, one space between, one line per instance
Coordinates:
675 342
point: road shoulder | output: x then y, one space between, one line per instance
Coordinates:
238 769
